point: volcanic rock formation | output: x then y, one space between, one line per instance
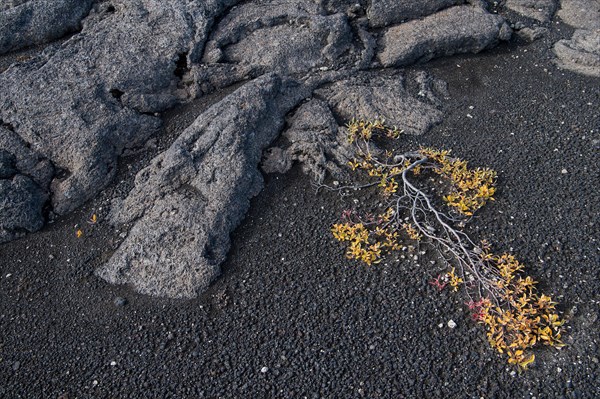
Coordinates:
581 53
68 113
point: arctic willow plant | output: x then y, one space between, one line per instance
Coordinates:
516 318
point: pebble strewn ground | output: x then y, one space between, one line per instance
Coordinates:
291 317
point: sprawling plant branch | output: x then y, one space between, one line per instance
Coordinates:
515 316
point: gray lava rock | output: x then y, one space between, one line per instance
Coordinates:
584 14
21 203
389 12
529 35
7 162
314 141
8 4
83 103
185 204
581 53
460 29
369 96
541 10
20 158
24 181
27 22
280 36
276 160
71 111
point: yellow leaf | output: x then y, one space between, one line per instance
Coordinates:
525 363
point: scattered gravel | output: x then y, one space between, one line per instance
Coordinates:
314 317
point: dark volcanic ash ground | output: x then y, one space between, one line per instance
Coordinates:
167 157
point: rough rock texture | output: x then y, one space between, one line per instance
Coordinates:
7 4
188 200
314 140
24 182
21 202
460 29
541 10
23 159
529 35
583 14
388 12
81 105
27 22
581 53
370 95
288 37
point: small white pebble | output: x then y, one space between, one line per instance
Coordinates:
8 275
113 363
451 323
564 171
264 370
95 382
441 325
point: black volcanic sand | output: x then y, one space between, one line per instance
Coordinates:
291 317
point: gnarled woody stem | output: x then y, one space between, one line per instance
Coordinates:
464 251
477 273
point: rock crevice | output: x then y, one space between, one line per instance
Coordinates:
83 102
188 200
